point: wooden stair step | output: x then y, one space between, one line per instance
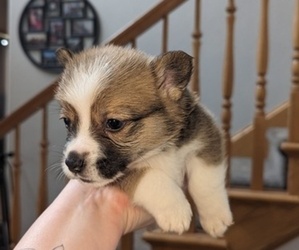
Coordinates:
262 219
263 196
186 241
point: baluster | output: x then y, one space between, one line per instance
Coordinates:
43 182
165 34
195 82
292 146
133 43
228 79
259 123
16 207
127 242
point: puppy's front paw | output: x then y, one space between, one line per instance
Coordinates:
176 218
216 224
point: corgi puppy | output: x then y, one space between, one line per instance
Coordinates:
131 121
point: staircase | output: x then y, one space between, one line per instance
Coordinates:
264 219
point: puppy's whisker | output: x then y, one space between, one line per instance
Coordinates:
61 176
54 167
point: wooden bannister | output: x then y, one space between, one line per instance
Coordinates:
259 123
195 80
16 201
165 34
143 23
228 78
43 181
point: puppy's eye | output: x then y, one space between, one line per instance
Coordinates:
114 124
67 122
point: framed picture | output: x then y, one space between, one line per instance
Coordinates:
56 32
82 27
49 58
75 9
53 8
74 44
56 26
36 40
36 19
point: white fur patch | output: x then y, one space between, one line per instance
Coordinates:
160 190
207 188
81 92
82 88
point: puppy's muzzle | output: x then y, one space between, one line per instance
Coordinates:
75 162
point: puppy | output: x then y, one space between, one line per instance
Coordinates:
131 121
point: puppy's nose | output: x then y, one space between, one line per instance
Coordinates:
75 162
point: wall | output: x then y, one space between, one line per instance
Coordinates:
3 59
25 80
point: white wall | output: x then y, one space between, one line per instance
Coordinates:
25 80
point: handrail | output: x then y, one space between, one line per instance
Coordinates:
133 30
137 27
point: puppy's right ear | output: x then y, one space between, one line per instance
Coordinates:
64 55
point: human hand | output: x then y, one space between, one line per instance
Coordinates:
85 217
115 205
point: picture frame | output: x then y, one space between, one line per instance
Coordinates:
73 9
82 27
74 44
46 25
36 40
36 19
53 8
49 59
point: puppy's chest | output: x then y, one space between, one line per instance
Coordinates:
172 162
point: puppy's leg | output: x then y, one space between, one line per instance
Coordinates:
162 197
207 188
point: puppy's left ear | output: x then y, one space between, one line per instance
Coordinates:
64 55
173 70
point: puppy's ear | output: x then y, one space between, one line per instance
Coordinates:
64 55
173 70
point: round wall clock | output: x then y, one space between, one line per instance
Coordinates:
47 25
